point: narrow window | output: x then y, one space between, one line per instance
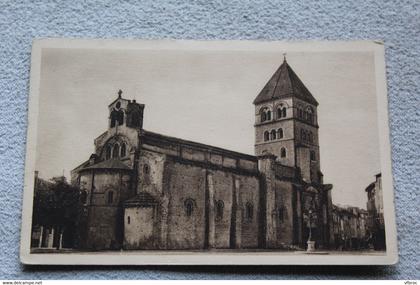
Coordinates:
299 113
110 197
249 212
313 157
113 118
273 134
284 112
219 209
268 115
311 137
146 169
123 150
280 133
108 152
120 117
266 136
128 219
115 151
283 152
303 135
279 113
189 207
263 116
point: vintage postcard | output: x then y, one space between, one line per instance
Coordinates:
201 152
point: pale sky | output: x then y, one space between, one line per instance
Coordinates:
206 96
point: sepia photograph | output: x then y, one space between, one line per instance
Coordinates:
194 152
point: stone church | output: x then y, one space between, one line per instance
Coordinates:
144 190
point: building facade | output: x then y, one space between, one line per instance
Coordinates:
143 190
350 228
375 208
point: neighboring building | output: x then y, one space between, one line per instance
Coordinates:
143 190
350 229
375 208
54 213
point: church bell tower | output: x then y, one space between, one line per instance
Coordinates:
286 123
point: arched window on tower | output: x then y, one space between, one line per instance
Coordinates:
309 114
117 117
268 115
263 116
266 136
273 134
123 150
284 112
280 133
115 151
108 152
283 152
279 113
312 154
311 137
303 135
249 212
299 110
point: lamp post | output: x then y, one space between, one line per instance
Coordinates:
310 242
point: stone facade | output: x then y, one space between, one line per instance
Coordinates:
350 228
145 190
375 208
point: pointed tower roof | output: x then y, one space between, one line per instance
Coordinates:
285 83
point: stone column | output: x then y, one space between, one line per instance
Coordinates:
60 243
212 225
299 216
238 216
164 223
266 165
51 238
41 235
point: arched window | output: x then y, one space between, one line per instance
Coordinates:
263 116
189 207
128 220
110 198
279 113
303 135
268 115
123 150
283 152
117 118
313 156
146 169
219 209
280 133
309 114
311 137
108 152
249 211
300 113
273 134
115 151
266 136
83 196
284 111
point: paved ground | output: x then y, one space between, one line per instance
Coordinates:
214 251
